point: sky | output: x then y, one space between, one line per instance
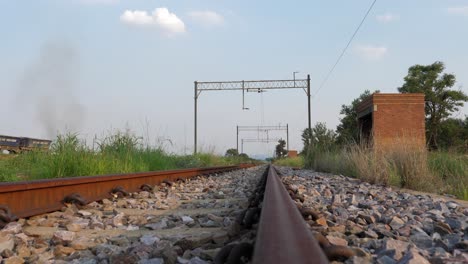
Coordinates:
98 66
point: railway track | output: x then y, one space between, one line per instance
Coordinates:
211 217
243 216
165 222
29 198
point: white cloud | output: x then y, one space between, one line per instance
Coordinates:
161 17
387 18
207 18
459 10
371 52
137 18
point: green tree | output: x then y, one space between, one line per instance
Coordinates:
348 130
232 152
441 101
280 149
244 156
323 137
320 137
306 139
454 134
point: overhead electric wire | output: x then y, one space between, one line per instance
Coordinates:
344 50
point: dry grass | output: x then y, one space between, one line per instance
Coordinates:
7 156
402 165
370 166
411 166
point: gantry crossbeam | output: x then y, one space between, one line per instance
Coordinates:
265 129
252 85
247 140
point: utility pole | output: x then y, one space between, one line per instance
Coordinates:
308 101
237 145
195 125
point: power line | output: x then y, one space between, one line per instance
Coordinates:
344 50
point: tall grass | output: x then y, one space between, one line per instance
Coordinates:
121 152
291 162
452 169
402 165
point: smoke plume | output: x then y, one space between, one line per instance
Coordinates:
48 88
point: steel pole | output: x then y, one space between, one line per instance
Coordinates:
287 137
308 101
237 140
195 125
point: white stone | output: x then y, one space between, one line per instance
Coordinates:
132 228
149 239
6 242
13 228
84 213
187 220
64 236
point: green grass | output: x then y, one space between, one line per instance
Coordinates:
291 162
452 168
118 153
402 166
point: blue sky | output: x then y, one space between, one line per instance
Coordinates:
93 66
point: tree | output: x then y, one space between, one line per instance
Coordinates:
306 139
244 156
348 130
319 136
454 134
323 137
280 150
441 101
232 152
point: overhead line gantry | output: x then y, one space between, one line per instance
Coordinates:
265 129
249 86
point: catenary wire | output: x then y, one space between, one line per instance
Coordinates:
344 50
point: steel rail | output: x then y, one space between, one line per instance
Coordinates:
283 236
29 198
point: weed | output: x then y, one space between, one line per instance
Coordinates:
121 152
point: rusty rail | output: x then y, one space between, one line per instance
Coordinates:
283 236
29 198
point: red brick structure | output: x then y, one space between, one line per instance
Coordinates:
389 120
292 153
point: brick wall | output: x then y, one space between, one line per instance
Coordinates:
396 119
292 153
